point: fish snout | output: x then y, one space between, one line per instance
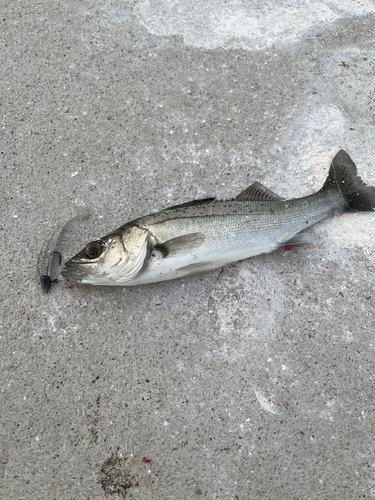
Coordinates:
72 271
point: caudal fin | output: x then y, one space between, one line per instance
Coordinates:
343 177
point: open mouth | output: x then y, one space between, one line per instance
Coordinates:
73 262
71 272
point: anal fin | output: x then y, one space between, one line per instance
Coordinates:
299 240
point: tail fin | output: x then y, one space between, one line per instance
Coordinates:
343 176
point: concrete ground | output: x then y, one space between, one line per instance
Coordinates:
257 383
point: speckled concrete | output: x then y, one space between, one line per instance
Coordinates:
257 383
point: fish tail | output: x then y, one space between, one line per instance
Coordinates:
343 177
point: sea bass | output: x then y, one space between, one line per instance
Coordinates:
202 235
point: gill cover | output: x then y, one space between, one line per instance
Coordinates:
136 243
124 256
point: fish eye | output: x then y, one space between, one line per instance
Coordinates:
93 249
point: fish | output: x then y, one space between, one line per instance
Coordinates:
202 235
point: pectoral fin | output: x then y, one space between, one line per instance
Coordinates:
181 244
195 268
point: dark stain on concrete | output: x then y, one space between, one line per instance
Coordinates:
3 459
114 477
93 417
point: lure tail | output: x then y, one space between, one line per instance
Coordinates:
343 177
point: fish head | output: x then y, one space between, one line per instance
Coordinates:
113 259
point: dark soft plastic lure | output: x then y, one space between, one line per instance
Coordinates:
45 258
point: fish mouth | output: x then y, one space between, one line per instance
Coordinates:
74 271
75 263
77 271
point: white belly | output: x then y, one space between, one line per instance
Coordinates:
160 268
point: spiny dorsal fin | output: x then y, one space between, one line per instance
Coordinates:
257 192
192 203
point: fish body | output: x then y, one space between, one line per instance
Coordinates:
202 238
207 234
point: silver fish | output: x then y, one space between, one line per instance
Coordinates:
207 234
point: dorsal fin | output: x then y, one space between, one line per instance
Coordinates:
192 203
257 192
